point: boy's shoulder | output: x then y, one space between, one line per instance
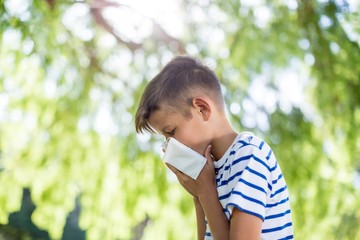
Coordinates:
249 139
249 143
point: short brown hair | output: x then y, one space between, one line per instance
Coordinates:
175 87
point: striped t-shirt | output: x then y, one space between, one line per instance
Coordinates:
249 178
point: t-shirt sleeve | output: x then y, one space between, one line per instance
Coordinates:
252 188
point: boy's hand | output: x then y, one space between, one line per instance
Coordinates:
205 181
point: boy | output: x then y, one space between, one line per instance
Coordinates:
241 192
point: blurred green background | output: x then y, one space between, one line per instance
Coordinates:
71 75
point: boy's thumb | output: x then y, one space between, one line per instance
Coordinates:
208 152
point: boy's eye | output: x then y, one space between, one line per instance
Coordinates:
172 132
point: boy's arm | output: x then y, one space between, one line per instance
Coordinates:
218 223
244 226
200 219
204 188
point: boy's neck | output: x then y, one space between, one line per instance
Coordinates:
221 143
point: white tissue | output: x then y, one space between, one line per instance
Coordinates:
184 158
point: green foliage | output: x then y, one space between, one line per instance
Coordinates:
70 82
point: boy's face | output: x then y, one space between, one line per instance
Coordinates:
193 132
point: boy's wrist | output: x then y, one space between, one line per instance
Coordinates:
207 195
208 190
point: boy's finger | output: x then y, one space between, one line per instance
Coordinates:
172 168
208 153
178 173
175 170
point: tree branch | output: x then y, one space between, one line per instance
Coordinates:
159 34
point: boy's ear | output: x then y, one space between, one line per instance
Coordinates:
202 106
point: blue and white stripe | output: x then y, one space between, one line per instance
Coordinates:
250 179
